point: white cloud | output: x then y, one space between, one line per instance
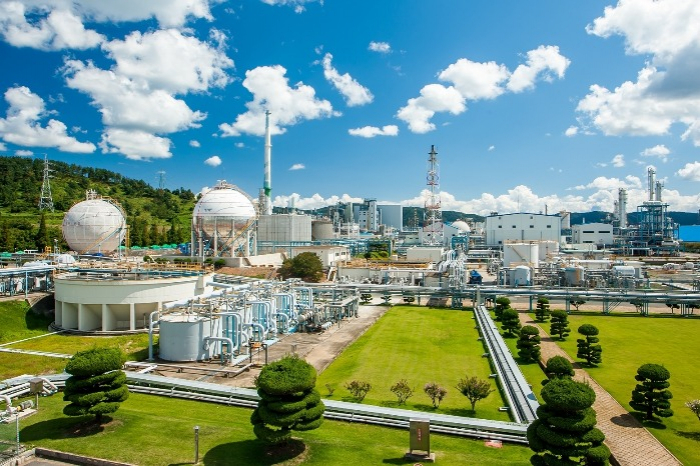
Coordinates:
22 125
618 161
288 105
372 131
3 147
314 202
195 143
666 90
603 182
135 144
380 47
544 63
24 153
213 161
691 172
297 166
476 81
571 131
298 5
433 98
240 145
491 148
660 151
354 93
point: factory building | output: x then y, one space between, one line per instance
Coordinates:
331 256
600 234
391 215
284 228
522 227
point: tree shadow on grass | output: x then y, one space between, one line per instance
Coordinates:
64 427
256 453
689 435
655 423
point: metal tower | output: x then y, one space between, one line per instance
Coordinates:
161 179
434 230
46 201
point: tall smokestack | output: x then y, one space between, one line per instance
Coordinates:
651 181
267 184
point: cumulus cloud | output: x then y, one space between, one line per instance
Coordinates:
213 161
479 81
288 105
22 125
618 161
299 6
491 148
665 91
690 172
354 93
571 131
3 147
137 95
314 202
297 166
380 47
24 153
195 143
660 151
372 131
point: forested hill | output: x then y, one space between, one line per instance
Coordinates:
155 216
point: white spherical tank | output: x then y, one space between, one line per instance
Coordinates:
462 226
219 218
183 337
95 225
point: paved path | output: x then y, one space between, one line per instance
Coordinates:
630 443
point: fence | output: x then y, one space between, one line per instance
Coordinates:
9 438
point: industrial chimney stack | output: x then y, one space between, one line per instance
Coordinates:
267 184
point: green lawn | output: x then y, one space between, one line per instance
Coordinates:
628 342
420 345
150 430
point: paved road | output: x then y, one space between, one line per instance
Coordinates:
630 443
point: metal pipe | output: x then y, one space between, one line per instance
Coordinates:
151 324
285 318
8 400
221 339
259 327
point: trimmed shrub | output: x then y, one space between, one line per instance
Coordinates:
651 396
542 311
560 324
510 322
558 367
529 344
587 348
502 303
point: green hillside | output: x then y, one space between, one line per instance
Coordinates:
154 216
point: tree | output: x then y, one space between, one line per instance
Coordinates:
435 392
577 303
306 266
502 303
529 344
587 348
694 406
651 396
565 432
542 311
510 322
97 385
474 389
560 324
42 235
288 400
402 390
358 389
558 367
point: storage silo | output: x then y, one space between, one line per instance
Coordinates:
223 223
322 229
522 253
520 276
95 225
574 276
183 337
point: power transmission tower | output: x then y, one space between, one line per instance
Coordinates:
433 205
161 180
46 201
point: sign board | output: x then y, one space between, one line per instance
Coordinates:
420 435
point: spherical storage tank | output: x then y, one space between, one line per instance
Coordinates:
95 225
462 226
220 217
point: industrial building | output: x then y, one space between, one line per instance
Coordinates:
522 227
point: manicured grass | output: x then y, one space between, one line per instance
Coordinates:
149 430
18 322
420 345
629 342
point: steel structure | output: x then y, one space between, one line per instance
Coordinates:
46 201
433 205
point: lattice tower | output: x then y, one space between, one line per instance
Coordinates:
46 201
433 206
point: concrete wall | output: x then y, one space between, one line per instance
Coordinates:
522 227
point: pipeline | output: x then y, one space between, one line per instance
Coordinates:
223 340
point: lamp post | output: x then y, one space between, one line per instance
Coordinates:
196 444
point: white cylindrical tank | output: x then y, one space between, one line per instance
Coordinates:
623 271
321 229
182 337
95 225
521 253
574 276
519 276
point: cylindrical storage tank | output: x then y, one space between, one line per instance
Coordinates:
574 276
565 220
322 229
623 271
182 337
95 225
548 248
521 253
519 276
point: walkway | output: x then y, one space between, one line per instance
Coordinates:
630 443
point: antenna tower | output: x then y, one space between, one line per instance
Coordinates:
46 201
433 205
161 180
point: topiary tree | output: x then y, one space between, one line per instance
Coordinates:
558 367
587 348
560 324
651 396
474 389
435 392
542 310
306 266
97 384
288 400
510 322
402 390
502 303
529 344
565 432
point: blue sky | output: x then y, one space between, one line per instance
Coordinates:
529 104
